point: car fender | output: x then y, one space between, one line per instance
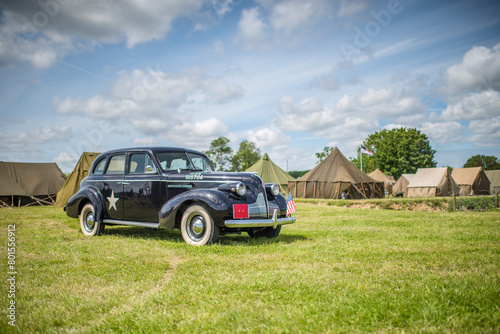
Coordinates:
76 202
214 201
281 201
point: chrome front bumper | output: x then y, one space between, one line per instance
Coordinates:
273 222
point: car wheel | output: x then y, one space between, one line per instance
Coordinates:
267 232
197 227
88 223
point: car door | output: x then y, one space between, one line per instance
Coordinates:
143 188
111 186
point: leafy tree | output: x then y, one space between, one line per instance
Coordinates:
220 153
399 151
322 155
487 162
246 156
296 174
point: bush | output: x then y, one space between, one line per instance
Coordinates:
483 203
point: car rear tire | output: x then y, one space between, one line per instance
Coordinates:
267 232
198 227
88 223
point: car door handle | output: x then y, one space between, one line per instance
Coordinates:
124 183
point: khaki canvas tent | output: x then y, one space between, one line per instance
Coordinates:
72 184
381 177
269 172
494 178
431 182
401 187
29 183
471 181
333 176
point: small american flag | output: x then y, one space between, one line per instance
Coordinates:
290 205
366 151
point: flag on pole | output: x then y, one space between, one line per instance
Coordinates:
290 205
364 150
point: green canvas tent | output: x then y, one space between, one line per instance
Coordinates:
332 177
494 178
23 184
269 172
471 181
72 184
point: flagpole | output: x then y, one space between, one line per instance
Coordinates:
361 158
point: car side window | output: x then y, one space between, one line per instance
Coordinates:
173 161
116 165
141 163
99 169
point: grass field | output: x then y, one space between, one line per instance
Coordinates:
337 270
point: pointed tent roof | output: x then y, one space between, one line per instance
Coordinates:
72 184
269 172
336 168
334 177
378 175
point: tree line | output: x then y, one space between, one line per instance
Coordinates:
221 155
395 152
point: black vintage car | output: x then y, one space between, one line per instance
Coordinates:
176 188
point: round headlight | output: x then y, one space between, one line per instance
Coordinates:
240 189
275 189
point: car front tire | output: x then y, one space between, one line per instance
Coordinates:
88 223
198 227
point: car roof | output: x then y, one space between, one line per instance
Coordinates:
154 150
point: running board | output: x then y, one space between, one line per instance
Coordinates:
132 223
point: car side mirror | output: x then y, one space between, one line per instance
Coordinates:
150 169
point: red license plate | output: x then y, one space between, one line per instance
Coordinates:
240 211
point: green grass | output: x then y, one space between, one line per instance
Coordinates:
462 203
337 270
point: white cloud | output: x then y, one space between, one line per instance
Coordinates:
266 138
197 133
44 31
25 141
66 161
160 105
385 102
486 132
307 115
443 132
479 70
347 8
473 106
252 30
290 16
332 124
353 116
146 141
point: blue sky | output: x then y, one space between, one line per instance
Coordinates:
291 76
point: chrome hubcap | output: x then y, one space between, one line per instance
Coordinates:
90 222
197 227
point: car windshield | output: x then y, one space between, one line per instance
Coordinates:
170 161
